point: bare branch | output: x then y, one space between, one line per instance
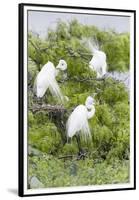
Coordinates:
88 79
66 157
81 79
48 108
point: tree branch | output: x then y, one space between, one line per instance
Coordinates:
66 157
77 54
34 45
87 79
37 48
48 108
81 79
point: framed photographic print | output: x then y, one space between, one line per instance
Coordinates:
76 99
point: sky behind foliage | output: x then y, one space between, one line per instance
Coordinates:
39 22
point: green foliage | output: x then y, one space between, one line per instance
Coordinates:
42 138
53 172
114 92
66 42
108 152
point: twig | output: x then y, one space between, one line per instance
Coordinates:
37 48
34 45
88 79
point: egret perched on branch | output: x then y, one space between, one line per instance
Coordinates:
77 123
98 62
46 78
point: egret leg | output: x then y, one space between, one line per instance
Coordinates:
69 140
78 142
82 153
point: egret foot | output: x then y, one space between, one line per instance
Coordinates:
81 155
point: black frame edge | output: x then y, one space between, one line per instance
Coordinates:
20 101
76 7
135 99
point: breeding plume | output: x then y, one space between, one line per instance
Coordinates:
98 62
77 123
46 79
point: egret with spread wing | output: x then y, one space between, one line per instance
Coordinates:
98 62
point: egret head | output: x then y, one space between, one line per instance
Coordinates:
89 102
62 65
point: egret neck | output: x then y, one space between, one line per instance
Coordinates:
90 112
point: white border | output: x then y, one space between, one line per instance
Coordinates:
93 187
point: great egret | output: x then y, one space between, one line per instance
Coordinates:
77 123
46 78
98 62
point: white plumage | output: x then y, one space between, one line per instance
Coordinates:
46 78
98 62
78 120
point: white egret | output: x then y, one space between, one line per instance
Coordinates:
77 123
46 79
98 62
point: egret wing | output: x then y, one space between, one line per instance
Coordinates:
41 85
55 89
